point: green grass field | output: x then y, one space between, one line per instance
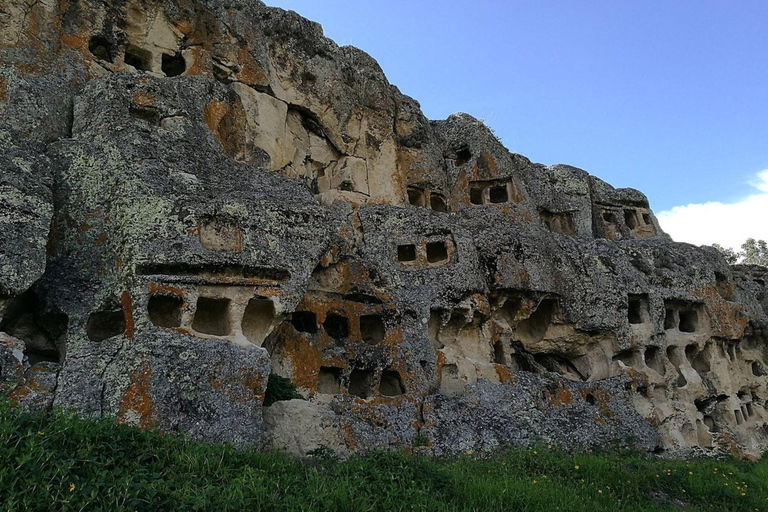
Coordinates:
59 462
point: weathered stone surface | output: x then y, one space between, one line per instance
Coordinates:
194 194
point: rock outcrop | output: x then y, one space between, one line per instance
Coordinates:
195 194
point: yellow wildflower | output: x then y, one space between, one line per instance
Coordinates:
71 487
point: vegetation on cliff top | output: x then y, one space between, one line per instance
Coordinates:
59 462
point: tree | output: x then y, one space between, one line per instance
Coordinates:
755 252
729 254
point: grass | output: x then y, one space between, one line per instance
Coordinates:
58 462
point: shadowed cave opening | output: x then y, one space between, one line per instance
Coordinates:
689 320
653 359
630 219
372 329
416 196
336 326
304 321
437 203
165 310
103 325
476 195
463 156
638 309
173 65
437 252
360 382
391 384
498 194
212 317
406 253
101 48
329 380
138 58
43 330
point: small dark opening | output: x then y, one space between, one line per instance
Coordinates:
105 324
212 317
346 186
669 320
688 321
437 252
360 382
304 321
626 356
101 48
336 326
147 114
416 196
647 219
498 194
174 65
590 398
609 217
653 360
329 380
638 309
476 195
165 310
372 329
498 353
391 384
463 156
437 203
138 58
757 369
630 219
406 252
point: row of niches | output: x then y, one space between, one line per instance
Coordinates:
340 325
426 198
362 382
494 192
433 251
680 317
168 64
233 313
619 222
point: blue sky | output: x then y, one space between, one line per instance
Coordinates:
670 97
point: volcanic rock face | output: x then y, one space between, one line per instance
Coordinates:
195 194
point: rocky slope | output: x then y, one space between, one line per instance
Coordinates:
195 194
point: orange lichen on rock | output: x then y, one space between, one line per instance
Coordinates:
143 98
560 397
136 404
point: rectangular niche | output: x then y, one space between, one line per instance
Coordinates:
257 320
138 58
329 380
437 252
304 321
165 310
406 253
212 317
639 310
336 326
683 317
437 203
372 329
416 197
391 383
361 382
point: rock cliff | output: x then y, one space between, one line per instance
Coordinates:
195 194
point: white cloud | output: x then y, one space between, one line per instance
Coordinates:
727 224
